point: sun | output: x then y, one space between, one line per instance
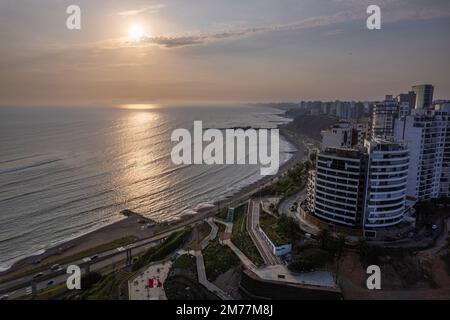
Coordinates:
136 33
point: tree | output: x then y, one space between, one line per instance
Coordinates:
289 227
340 245
309 260
324 237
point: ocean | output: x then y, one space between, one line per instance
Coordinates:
65 172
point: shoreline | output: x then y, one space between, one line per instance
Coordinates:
135 224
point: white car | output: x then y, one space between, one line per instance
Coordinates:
5 297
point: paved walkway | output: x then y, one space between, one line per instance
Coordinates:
212 235
267 202
228 225
246 261
252 223
154 275
203 279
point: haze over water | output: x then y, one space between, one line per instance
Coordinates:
67 171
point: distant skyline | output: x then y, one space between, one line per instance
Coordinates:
219 51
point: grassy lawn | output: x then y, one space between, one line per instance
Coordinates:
182 283
272 229
223 214
221 227
172 243
218 260
108 288
241 238
187 263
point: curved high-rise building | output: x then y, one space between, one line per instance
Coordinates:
360 188
338 190
386 183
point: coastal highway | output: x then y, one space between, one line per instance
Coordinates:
19 287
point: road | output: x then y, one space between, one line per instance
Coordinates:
252 223
285 206
20 286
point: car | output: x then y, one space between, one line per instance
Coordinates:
5 297
55 268
434 227
50 283
95 257
280 276
40 274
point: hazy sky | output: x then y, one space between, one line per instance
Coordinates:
220 51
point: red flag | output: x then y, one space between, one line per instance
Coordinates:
151 283
159 284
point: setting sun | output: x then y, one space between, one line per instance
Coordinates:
136 33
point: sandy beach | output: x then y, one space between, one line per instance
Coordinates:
136 225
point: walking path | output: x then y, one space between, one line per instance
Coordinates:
212 235
252 223
228 225
246 261
281 273
203 280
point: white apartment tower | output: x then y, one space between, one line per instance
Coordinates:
383 118
427 135
339 136
387 178
360 188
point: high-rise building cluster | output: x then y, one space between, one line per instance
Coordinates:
368 176
340 109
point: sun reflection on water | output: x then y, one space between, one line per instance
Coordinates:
139 106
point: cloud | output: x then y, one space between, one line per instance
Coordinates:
154 8
397 13
197 39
